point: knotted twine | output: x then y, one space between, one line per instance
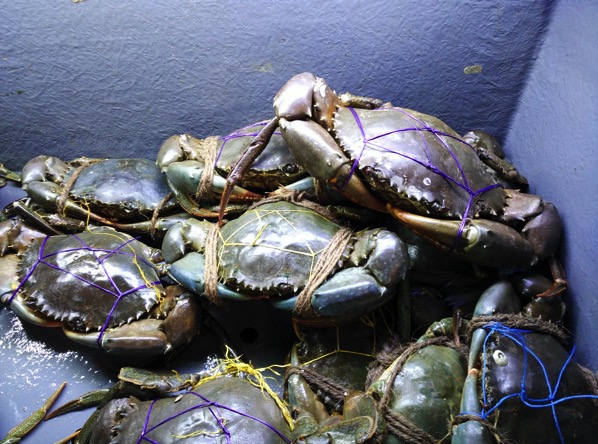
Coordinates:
66 190
518 321
208 152
396 422
326 263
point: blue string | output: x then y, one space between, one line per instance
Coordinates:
518 337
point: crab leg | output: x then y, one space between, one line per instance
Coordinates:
16 434
257 145
483 242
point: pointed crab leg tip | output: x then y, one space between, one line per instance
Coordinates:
559 287
441 231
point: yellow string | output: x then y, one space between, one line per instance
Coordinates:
234 366
135 261
260 214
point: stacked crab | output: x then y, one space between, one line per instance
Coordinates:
340 209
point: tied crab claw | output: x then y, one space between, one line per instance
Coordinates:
385 158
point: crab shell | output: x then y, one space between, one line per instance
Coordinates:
271 250
124 189
509 370
416 161
124 420
96 278
273 168
427 389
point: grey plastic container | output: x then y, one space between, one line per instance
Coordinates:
109 79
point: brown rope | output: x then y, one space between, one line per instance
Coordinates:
61 200
205 191
405 355
211 265
465 417
322 383
324 266
520 322
398 355
404 429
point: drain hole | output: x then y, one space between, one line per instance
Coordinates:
249 335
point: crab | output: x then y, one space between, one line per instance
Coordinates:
274 251
353 417
412 165
183 159
210 406
104 191
419 391
101 287
521 381
408 391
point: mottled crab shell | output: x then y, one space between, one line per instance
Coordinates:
416 161
273 168
89 280
273 248
122 188
225 409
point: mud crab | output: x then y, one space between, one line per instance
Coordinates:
522 384
104 191
420 390
412 165
274 251
409 395
169 407
188 162
102 287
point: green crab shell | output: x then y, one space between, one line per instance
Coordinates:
122 188
273 248
80 279
273 168
200 424
427 390
400 153
506 370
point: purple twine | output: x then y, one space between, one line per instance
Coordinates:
239 134
463 184
117 293
205 404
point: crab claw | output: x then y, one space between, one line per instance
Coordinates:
481 241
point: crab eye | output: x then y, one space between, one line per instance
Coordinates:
290 168
500 358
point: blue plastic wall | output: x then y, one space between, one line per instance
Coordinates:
552 136
113 78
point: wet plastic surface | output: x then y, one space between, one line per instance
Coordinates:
36 360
